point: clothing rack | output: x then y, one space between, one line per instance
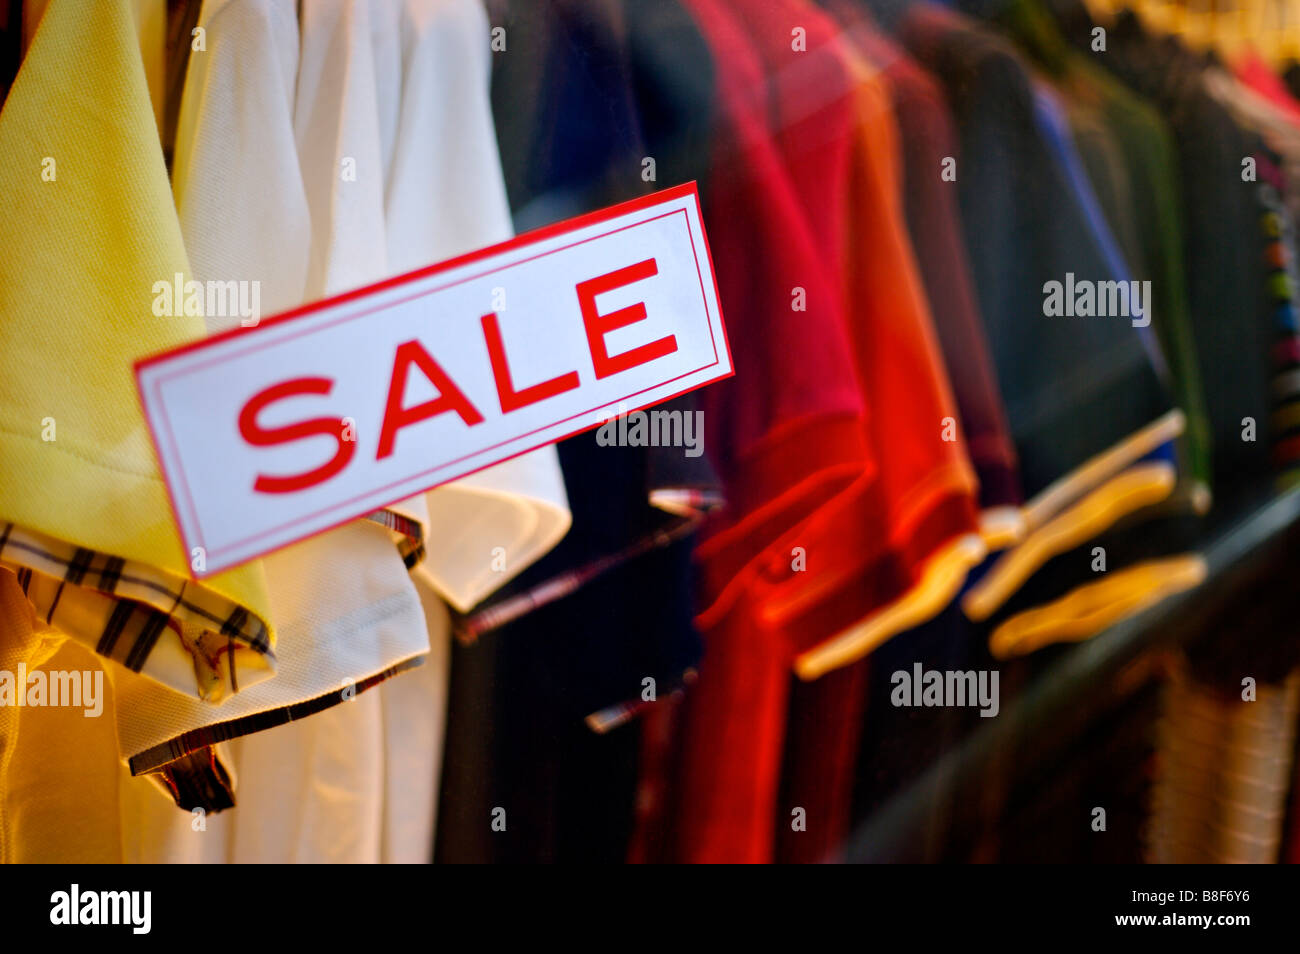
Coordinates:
1063 699
1078 258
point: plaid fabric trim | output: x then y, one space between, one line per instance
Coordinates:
172 757
611 717
199 780
122 609
468 627
131 631
411 546
687 501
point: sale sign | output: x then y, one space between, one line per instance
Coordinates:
325 413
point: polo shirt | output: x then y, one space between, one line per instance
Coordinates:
88 510
826 715
878 544
1000 130
927 138
547 676
369 766
431 206
1090 161
818 723
1126 149
927 490
95 486
1066 599
346 594
444 134
778 456
1094 377
1140 566
58 769
738 707
1229 305
718 799
827 771
493 525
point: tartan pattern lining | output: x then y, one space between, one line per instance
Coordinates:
129 580
411 546
131 606
135 620
199 780
620 713
130 633
142 603
175 760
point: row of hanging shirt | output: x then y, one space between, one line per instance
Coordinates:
870 299
901 408
316 149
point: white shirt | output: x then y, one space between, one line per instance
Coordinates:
339 187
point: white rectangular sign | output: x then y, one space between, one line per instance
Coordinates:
322 414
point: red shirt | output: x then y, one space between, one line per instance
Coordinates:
869 545
786 432
825 181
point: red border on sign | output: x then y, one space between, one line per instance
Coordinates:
261 344
528 238
525 238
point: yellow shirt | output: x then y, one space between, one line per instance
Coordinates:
88 229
